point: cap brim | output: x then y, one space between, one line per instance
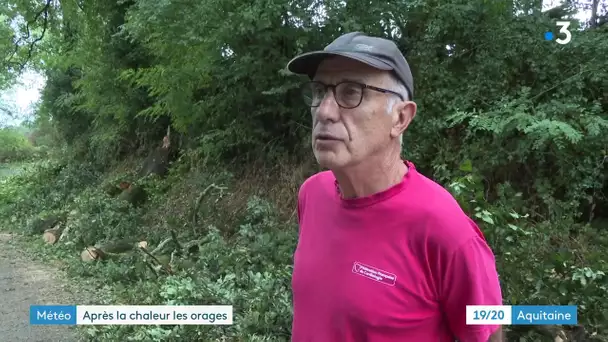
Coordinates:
307 63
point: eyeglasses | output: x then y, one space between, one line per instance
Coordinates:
347 94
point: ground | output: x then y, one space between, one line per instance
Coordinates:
24 282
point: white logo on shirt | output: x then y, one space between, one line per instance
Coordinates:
374 273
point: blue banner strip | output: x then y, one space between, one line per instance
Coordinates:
543 314
520 315
53 314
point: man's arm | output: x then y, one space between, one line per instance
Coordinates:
497 336
470 278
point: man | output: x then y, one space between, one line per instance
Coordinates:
384 253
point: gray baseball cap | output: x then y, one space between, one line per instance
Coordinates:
376 52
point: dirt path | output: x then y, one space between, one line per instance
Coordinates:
24 282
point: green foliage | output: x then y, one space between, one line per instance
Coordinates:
250 271
96 218
43 187
14 146
561 271
525 119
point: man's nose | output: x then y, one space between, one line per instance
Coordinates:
328 109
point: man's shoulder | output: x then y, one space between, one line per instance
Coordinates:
318 180
445 222
313 187
433 198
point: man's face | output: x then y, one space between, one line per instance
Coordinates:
358 132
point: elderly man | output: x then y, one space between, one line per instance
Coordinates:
384 253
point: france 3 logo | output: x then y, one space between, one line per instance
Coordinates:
563 30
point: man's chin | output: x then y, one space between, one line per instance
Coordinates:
329 160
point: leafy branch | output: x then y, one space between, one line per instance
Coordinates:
31 45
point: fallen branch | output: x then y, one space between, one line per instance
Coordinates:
199 200
175 240
150 266
172 260
191 244
64 234
166 268
161 245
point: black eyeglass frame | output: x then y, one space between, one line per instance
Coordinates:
334 86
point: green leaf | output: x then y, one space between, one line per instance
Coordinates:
466 166
487 219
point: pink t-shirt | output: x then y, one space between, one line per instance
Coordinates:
400 265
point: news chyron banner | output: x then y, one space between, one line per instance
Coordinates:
222 315
522 315
130 314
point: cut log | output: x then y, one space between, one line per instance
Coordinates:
91 253
107 249
50 236
119 246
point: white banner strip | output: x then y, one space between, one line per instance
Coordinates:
153 314
488 314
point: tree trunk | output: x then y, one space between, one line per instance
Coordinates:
106 250
593 20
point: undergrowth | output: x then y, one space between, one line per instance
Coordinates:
247 263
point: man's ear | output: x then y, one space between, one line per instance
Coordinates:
405 113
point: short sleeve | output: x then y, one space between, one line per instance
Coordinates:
470 278
299 210
301 202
